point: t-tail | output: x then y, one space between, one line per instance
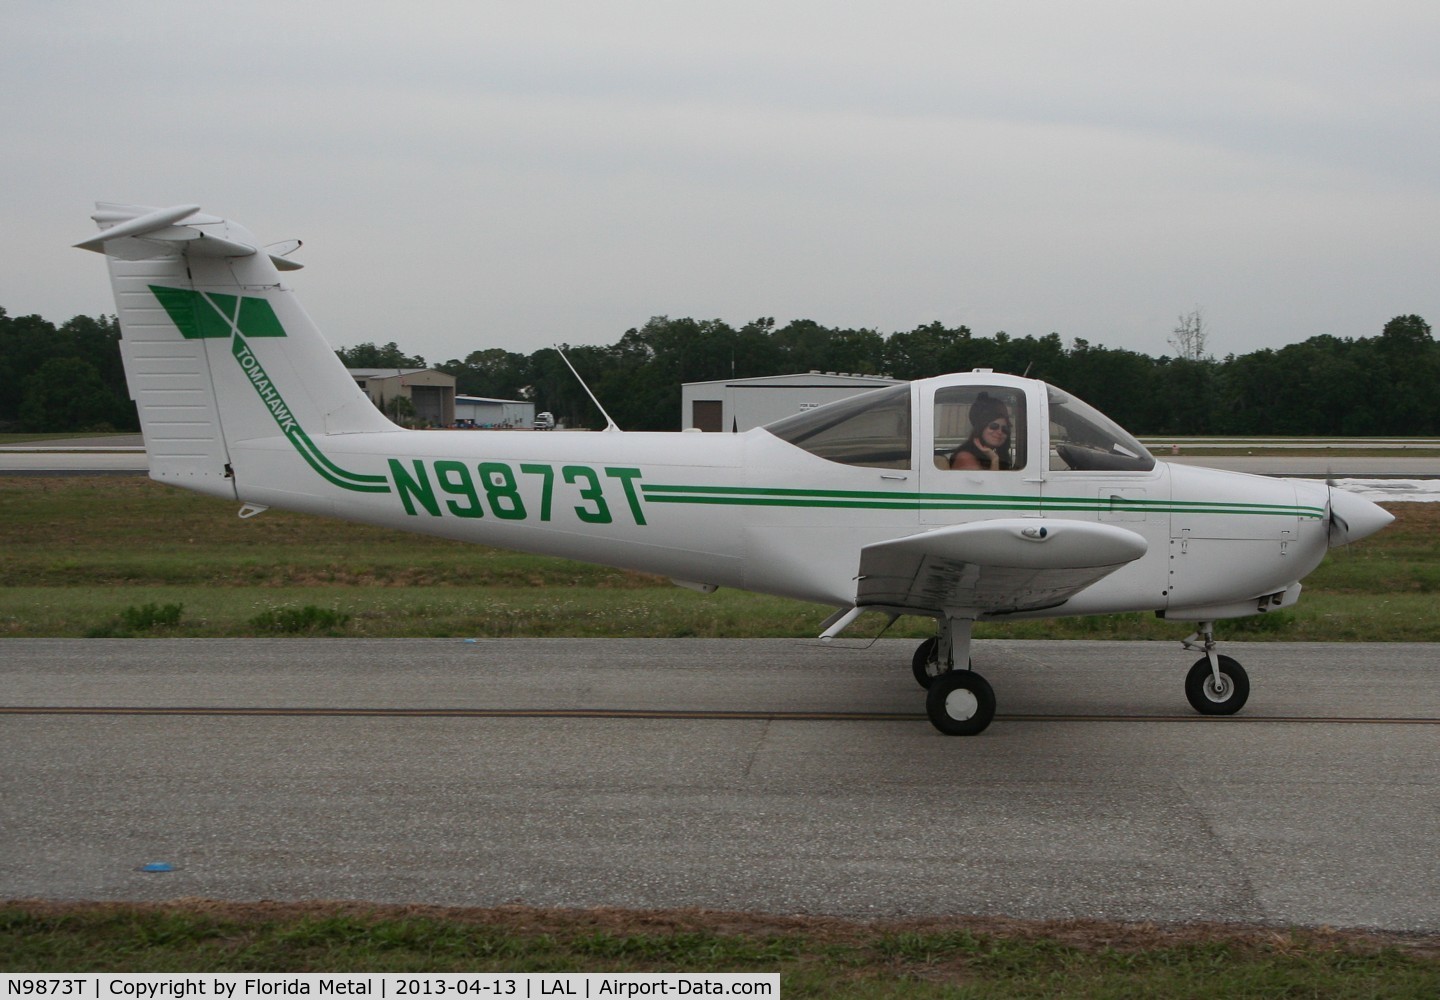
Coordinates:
207 328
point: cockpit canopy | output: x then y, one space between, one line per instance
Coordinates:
871 429
973 423
1084 439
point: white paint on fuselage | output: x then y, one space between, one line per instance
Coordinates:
1200 552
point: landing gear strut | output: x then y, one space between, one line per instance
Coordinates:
959 702
1216 684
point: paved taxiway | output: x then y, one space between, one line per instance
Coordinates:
1096 793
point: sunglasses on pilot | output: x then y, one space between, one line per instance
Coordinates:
998 425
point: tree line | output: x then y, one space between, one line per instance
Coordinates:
69 378
1326 385
65 378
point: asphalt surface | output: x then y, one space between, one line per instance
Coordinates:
1096 793
1377 466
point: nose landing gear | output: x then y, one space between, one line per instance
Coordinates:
1216 684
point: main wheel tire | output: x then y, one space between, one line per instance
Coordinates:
1209 699
960 703
925 665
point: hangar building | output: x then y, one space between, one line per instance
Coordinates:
432 393
481 411
739 404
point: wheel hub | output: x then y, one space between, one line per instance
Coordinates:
961 705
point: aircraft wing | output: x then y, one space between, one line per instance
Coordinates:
992 567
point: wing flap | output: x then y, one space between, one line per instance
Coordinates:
993 567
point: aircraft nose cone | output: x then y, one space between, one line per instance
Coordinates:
1353 518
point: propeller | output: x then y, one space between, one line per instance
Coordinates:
1349 517
1336 531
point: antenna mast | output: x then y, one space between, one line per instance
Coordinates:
610 425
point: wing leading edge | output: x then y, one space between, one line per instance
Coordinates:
992 567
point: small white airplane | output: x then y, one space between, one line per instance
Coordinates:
964 498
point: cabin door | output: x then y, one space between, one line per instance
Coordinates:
978 455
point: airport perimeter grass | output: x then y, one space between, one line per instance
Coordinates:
816 957
88 555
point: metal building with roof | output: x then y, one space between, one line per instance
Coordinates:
483 412
431 393
738 404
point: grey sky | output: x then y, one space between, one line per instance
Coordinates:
477 174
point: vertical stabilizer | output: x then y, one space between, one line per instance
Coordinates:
215 346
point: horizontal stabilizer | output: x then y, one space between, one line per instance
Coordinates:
151 221
138 232
993 567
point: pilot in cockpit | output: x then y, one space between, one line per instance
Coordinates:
988 446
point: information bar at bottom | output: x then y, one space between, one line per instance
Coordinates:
388 986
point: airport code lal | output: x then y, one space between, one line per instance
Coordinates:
169 986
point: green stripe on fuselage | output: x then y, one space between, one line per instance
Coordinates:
761 496
290 426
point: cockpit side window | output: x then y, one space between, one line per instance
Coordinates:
870 430
979 427
1084 439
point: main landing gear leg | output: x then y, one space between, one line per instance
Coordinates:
1216 684
959 702
936 656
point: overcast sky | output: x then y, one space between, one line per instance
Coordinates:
477 174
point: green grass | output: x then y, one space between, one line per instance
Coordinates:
41 437
638 613
661 611
81 553
815 957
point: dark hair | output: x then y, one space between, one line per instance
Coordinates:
985 409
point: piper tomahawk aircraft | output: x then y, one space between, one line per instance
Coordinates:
964 498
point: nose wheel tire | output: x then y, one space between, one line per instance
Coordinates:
960 703
1209 698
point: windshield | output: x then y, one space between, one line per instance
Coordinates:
1084 439
871 429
